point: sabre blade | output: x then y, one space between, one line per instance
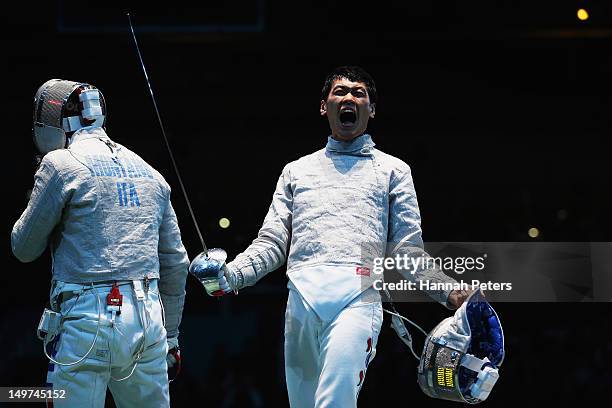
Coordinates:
161 125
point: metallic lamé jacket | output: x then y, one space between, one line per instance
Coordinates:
106 215
330 205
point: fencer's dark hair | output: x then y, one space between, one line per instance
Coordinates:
352 73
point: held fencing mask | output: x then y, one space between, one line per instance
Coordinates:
461 357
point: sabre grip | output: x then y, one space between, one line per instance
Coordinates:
209 268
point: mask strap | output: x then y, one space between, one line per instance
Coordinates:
92 110
474 363
71 123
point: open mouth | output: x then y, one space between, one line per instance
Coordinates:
348 117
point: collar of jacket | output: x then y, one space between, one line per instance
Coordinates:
359 146
88 132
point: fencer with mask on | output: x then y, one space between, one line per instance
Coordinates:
118 267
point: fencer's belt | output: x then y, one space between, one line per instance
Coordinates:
108 283
122 282
140 286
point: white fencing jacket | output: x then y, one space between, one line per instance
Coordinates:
336 209
107 216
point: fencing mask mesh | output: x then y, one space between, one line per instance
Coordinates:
62 107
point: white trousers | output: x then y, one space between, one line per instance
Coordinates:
135 343
326 361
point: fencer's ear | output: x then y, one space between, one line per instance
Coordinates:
372 110
323 109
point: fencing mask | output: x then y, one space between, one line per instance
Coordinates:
60 108
462 355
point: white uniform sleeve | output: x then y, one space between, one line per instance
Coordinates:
269 250
31 232
405 232
173 266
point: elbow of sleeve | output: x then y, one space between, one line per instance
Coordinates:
21 253
23 257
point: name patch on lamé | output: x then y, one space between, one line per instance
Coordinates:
104 166
127 194
126 171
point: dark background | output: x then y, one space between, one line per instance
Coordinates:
502 110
